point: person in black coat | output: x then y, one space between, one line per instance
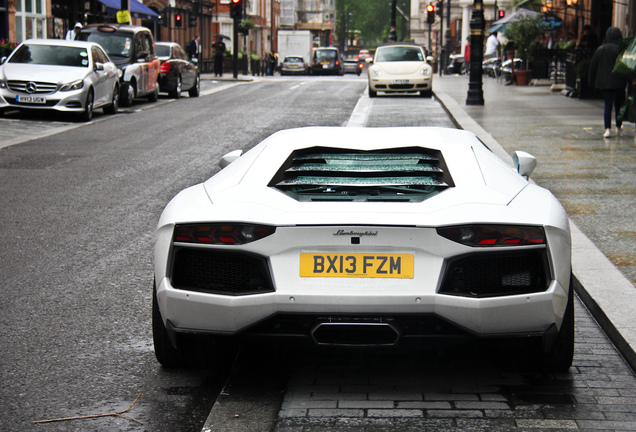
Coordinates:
601 77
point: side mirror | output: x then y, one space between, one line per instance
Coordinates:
229 158
524 162
3 59
99 66
369 60
430 59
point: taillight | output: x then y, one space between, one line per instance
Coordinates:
360 65
225 234
493 235
164 68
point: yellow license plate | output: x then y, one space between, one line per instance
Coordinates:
361 265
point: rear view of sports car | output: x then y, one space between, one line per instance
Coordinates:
365 237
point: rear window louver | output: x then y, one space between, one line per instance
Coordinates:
323 174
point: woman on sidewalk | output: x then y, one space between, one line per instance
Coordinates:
601 77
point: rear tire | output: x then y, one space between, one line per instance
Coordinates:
128 93
176 93
559 359
196 89
154 96
114 104
191 351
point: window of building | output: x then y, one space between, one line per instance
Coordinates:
30 20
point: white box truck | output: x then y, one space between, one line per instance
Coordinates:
295 43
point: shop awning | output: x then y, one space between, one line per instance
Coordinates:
137 9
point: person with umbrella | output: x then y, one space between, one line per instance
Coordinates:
219 53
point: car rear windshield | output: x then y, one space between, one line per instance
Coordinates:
326 54
293 60
51 55
116 45
398 54
162 50
410 174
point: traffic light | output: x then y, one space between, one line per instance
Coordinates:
430 14
236 9
440 7
501 13
178 19
194 14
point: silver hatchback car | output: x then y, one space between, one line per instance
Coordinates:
69 76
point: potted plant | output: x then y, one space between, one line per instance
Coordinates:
524 33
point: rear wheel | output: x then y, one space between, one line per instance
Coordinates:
531 356
128 94
196 89
176 93
191 350
113 107
154 96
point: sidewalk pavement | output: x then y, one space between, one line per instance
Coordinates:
594 178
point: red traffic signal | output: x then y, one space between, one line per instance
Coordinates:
502 13
178 19
236 9
430 13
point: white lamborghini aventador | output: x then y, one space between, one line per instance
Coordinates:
365 237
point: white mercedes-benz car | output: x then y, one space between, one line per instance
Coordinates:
372 237
400 67
67 76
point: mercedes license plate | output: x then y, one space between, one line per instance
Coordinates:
30 99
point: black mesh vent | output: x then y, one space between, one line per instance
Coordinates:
410 174
491 275
219 272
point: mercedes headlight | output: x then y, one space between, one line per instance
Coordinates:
75 85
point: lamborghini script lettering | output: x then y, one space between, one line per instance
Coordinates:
355 233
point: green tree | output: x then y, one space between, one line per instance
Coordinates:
370 17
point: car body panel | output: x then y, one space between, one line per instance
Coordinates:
484 191
47 80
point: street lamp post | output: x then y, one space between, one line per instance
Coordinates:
477 24
392 25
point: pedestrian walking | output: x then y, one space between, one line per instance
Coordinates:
70 35
219 54
601 77
193 49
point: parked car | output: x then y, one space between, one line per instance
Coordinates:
67 76
353 65
327 61
132 48
293 65
400 67
176 72
360 237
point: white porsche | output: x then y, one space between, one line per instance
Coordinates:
372 237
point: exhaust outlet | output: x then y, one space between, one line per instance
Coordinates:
352 334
